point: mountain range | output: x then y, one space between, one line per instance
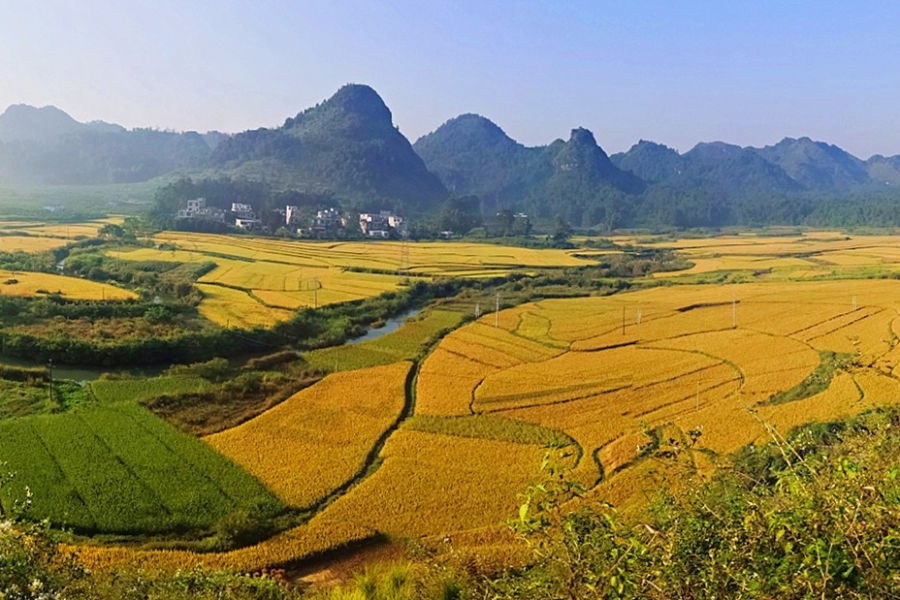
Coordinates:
348 147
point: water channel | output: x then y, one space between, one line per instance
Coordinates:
83 373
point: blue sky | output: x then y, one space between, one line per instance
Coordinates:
743 71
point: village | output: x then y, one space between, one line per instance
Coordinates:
328 223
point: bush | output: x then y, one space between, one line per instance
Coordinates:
821 521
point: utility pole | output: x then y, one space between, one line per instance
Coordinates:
639 317
316 292
623 320
733 312
477 310
50 387
697 408
854 302
497 311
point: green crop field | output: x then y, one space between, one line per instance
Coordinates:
111 468
136 390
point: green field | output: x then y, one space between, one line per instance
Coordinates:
137 390
111 468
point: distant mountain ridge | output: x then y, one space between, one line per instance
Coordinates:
347 147
47 146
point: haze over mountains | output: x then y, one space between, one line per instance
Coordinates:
348 146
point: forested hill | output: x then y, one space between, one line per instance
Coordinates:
473 156
347 145
797 181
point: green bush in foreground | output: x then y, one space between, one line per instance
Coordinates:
32 568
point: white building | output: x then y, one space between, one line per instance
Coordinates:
291 215
242 211
381 225
197 209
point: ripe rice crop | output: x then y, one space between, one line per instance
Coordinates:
489 427
29 243
446 383
434 484
318 439
29 284
235 308
428 485
286 275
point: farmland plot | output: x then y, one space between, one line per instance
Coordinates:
318 439
110 468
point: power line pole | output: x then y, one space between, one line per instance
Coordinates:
497 311
854 302
316 292
733 312
639 317
623 320
477 310
697 408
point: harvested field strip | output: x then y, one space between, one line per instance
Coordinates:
481 353
490 428
835 323
672 409
558 394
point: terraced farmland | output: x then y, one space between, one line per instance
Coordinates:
488 398
37 236
789 256
610 367
279 276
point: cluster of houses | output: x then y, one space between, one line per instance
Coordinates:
328 222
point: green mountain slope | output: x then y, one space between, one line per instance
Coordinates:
347 144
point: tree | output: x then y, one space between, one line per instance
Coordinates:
461 214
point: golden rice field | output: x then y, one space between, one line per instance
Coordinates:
601 371
563 366
22 283
428 485
229 307
318 439
283 275
790 256
670 355
39 236
28 243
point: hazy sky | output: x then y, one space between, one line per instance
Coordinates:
677 72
